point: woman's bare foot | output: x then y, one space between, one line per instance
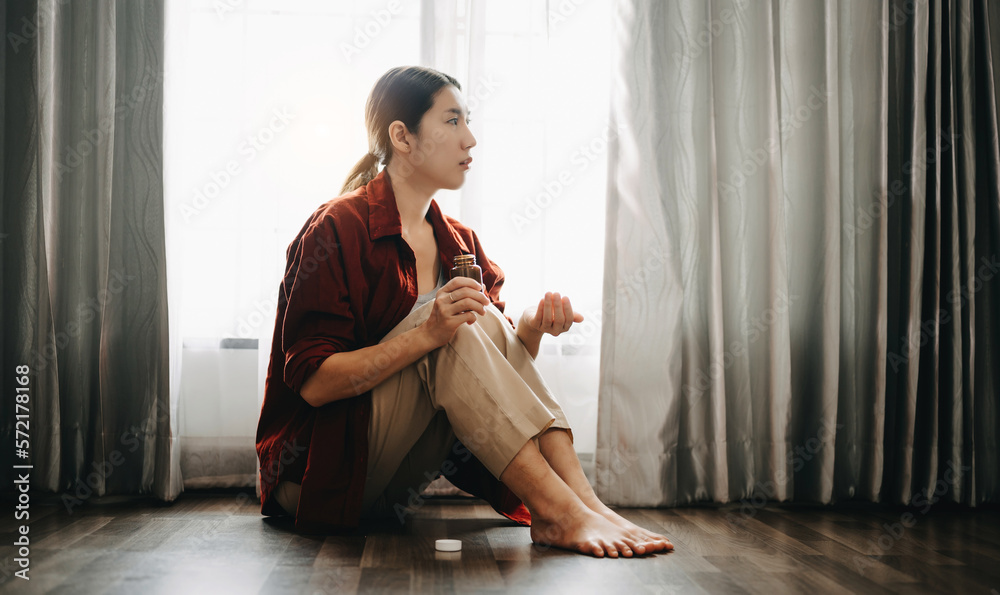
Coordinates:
651 542
586 532
559 517
557 448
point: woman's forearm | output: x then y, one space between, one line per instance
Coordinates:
351 373
530 338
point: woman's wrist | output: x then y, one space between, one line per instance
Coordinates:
530 337
524 325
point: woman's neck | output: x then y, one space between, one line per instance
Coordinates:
413 199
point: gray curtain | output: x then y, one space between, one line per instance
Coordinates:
83 279
801 268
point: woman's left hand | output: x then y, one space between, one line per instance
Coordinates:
554 315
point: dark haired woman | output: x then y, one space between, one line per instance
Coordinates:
384 373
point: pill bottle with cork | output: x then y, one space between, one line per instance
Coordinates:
465 266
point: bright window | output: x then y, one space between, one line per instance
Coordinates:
265 116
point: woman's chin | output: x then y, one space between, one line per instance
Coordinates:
458 183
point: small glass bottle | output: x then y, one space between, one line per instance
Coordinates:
465 266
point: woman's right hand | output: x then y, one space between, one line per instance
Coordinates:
458 302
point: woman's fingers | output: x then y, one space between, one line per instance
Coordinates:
539 314
569 313
461 288
546 322
555 314
466 282
463 299
558 315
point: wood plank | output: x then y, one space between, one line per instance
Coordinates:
509 543
666 573
869 567
340 551
770 577
220 543
73 532
477 566
987 564
295 579
952 579
385 580
840 572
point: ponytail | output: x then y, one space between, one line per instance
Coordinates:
364 171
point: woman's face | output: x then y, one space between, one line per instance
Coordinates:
444 143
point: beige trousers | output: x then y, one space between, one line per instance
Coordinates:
482 388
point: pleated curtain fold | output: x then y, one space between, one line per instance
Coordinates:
83 261
802 251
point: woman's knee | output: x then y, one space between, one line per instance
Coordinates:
488 327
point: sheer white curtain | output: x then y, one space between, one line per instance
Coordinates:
536 76
264 118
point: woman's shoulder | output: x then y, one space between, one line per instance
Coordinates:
458 226
343 215
346 209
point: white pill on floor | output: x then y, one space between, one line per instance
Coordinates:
448 545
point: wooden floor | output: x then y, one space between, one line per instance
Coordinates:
219 543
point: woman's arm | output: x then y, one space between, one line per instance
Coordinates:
351 373
554 315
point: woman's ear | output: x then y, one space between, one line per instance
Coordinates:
399 136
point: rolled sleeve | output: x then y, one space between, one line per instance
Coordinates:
319 320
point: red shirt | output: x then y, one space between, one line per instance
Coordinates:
350 278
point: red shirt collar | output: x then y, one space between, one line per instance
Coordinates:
383 216
384 220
